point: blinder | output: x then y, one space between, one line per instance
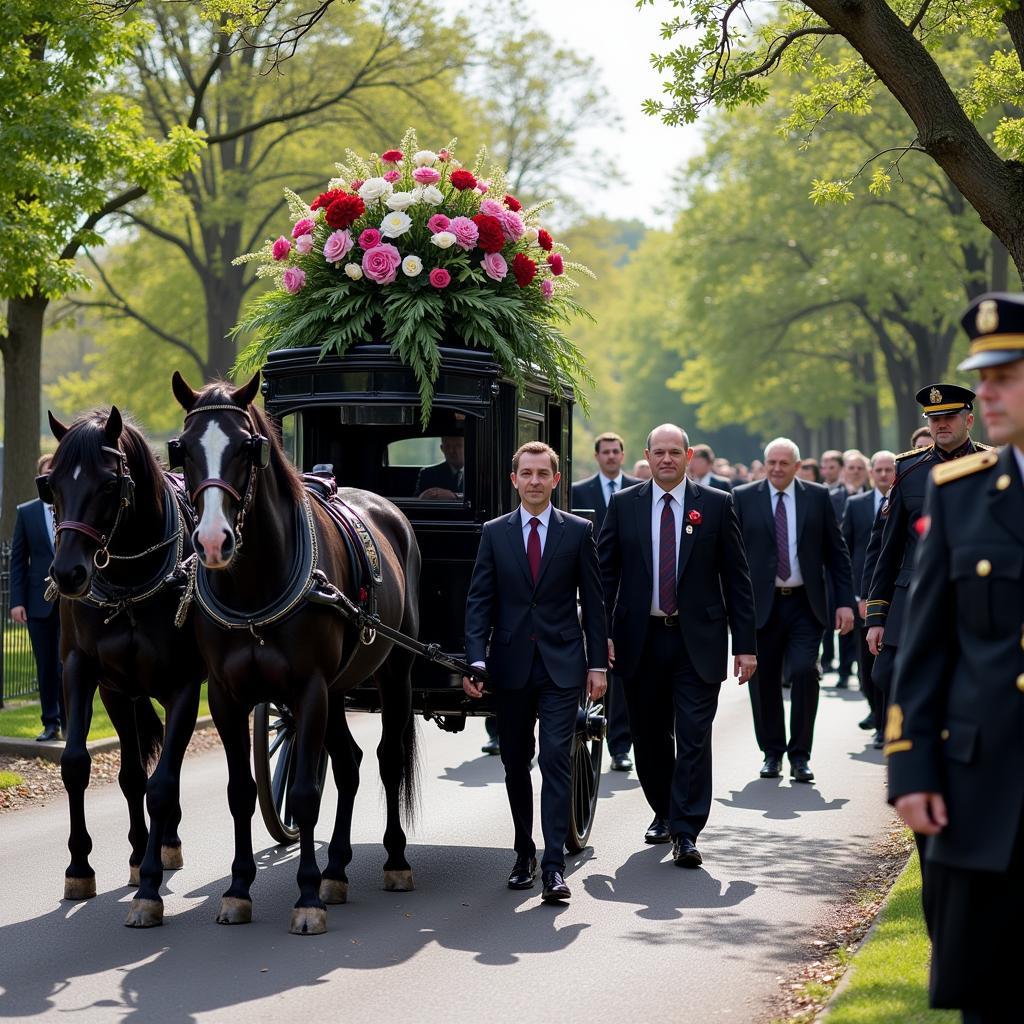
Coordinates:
44 488
259 451
175 454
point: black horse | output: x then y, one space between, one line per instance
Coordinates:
266 639
121 531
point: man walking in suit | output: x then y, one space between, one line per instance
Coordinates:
522 599
675 581
699 469
792 539
595 492
31 557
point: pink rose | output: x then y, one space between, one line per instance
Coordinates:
426 176
369 238
281 248
303 227
381 263
494 266
511 225
439 222
304 244
492 208
337 246
294 279
465 231
440 278
547 289
391 176
443 155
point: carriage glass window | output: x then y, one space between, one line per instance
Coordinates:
439 463
291 439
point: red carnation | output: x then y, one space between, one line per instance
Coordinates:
544 240
513 204
326 198
462 180
345 211
357 184
492 238
524 268
554 262
392 156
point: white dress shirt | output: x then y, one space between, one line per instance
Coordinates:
795 579
879 498
657 505
705 480
1019 456
50 525
606 486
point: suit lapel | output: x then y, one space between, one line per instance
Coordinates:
556 531
694 502
44 528
642 504
766 503
800 499
514 532
1008 503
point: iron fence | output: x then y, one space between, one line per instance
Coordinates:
17 664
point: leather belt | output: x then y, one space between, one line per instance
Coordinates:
669 621
787 591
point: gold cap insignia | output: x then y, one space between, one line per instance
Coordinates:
987 318
894 723
935 396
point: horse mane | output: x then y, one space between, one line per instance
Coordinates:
82 446
288 477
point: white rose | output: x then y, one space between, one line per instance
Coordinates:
443 239
424 158
411 266
431 195
530 235
373 189
400 200
395 224
354 271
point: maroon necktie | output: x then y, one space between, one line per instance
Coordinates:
533 549
783 569
667 559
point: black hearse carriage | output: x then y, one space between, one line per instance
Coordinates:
361 414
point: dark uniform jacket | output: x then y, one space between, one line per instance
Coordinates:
957 724
889 564
590 493
858 520
31 557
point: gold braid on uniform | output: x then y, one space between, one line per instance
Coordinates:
965 466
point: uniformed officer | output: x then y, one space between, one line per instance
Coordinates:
955 729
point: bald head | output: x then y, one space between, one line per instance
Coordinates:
668 452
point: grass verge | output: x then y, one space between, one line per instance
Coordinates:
10 779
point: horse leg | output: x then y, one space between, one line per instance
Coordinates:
396 754
345 759
163 801
310 915
232 721
75 763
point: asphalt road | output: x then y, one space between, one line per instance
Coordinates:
641 939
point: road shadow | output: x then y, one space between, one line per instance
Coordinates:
869 755
478 772
616 782
780 802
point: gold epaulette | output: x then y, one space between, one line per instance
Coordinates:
947 471
984 447
915 451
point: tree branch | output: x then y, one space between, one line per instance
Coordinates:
112 205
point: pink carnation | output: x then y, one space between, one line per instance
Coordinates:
440 278
337 246
494 266
303 227
465 231
492 208
556 263
426 176
511 225
304 244
357 184
294 279
443 155
439 222
391 176
381 263
369 238
547 289
281 248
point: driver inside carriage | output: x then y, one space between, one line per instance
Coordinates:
446 480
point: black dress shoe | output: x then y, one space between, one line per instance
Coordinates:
621 763
801 772
772 768
842 683
51 732
867 722
491 747
658 832
523 873
879 741
685 853
555 889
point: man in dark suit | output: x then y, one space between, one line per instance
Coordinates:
446 480
31 557
792 539
522 600
675 579
594 493
858 519
955 732
699 469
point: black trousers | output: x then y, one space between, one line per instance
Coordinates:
45 636
865 663
848 653
671 711
518 711
619 737
790 636
882 671
974 920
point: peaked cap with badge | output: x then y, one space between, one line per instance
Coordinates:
942 399
994 322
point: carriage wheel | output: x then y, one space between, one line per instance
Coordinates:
587 750
273 756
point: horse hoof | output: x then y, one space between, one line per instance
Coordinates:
133 875
171 859
79 888
145 914
308 921
234 910
398 881
333 891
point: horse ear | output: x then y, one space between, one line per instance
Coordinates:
56 427
182 392
244 395
112 428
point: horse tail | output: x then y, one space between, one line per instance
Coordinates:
150 732
408 789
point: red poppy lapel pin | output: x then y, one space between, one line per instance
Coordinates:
695 519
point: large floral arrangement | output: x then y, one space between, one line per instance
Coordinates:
413 248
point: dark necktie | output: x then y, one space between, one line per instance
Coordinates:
783 569
667 559
611 490
533 549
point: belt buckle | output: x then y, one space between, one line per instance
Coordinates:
671 620
785 591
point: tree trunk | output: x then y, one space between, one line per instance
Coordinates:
22 351
1000 280
872 436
